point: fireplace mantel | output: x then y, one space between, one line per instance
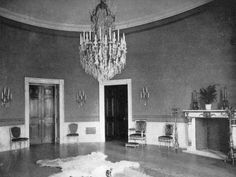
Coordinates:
192 116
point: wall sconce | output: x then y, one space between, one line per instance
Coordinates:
144 95
6 96
81 97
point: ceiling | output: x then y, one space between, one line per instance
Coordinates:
73 15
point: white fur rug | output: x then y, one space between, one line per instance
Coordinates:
92 165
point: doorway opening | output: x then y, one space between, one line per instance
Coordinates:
43 113
102 108
116 112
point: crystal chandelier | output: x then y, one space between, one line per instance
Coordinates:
102 50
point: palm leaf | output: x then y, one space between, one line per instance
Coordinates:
208 95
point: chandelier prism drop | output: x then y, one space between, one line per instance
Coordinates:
102 49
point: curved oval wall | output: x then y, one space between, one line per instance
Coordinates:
171 60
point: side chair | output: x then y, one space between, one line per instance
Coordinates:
167 139
73 127
15 137
138 134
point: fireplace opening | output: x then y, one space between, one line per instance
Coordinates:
212 134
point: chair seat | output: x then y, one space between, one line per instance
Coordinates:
73 134
131 144
165 138
19 139
137 135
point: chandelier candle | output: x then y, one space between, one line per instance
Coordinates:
102 51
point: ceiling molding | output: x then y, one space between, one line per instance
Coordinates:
26 19
41 23
154 17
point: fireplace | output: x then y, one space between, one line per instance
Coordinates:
212 134
208 132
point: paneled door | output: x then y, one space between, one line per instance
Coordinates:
116 112
43 113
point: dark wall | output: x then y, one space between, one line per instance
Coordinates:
32 54
177 58
171 60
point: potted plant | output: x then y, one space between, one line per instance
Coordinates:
208 95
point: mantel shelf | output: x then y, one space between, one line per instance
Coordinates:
205 113
204 110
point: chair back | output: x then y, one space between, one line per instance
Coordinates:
169 128
140 125
15 132
73 128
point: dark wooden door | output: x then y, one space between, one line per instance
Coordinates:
116 112
43 109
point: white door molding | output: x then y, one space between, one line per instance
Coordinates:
60 82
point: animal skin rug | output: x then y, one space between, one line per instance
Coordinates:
93 165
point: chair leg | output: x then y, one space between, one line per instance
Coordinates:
25 144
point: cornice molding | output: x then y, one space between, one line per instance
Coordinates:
120 25
157 17
41 23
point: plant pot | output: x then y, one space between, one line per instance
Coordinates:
208 106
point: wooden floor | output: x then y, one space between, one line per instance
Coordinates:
154 161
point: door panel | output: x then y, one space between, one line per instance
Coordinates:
121 112
110 119
48 115
35 115
42 114
56 114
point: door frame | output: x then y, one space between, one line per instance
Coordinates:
60 82
102 85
